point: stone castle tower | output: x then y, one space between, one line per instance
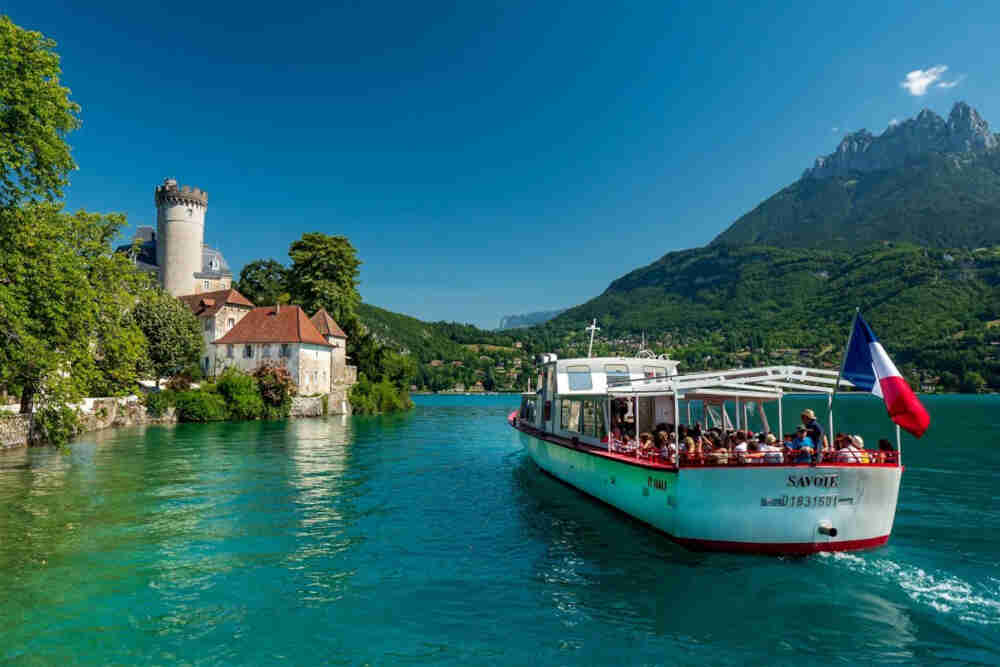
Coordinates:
180 235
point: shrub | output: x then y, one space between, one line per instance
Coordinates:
158 402
368 398
276 388
200 406
56 424
242 397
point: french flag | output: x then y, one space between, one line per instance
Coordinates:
870 369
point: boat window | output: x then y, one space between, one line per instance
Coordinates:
570 413
617 374
579 378
654 371
550 379
593 419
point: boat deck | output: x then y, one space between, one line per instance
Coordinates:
659 461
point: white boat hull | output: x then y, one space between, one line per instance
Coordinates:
793 509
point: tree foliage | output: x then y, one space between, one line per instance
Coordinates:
65 305
324 274
265 282
173 333
36 114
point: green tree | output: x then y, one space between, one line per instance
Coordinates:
265 282
65 305
324 274
36 114
173 333
973 383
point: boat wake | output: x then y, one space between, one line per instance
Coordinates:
943 592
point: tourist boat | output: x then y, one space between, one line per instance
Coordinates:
743 505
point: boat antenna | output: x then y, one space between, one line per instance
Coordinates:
593 328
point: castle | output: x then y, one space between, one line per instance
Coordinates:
176 250
236 331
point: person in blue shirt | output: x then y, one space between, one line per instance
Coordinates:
813 429
801 446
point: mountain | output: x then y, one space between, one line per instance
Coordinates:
926 180
528 319
722 305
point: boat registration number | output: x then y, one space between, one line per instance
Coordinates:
806 501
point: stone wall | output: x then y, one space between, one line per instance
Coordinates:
14 430
336 403
95 414
101 413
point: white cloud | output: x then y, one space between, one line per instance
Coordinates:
919 80
950 84
893 122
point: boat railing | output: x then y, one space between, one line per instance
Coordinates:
743 459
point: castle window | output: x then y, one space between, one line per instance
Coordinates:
285 350
208 325
265 350
248 351
230 323
229 351
206 284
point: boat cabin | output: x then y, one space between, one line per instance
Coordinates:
608 403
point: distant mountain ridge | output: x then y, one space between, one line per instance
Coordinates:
926 180
528 319
964 132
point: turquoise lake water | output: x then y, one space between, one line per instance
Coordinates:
431 538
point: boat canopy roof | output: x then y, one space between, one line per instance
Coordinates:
596 376
765 383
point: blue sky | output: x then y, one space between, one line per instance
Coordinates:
490 160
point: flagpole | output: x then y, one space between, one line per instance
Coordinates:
840 374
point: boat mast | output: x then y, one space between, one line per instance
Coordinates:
840 374
592 329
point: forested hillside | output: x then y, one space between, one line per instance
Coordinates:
722 306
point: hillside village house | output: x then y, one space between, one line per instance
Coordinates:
279 336
219 312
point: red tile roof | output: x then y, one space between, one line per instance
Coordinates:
208 304
326 324
274 324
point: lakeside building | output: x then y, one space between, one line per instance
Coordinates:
335 336
279 336
176 251
219 312
199 275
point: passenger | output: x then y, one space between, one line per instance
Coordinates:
886 452
689 448
859 443
719 455
849 451
741 442
814 430
801 449
772 453
645 443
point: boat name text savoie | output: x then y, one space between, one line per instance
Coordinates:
825 481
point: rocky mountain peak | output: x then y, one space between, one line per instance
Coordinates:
964 131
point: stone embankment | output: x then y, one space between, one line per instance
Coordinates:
334 403
101 413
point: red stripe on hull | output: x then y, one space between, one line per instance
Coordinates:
779 548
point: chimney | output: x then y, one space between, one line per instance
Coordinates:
277 308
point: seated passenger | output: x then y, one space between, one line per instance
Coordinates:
719 455
772 453
885 446
801 448
645 443
849 452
